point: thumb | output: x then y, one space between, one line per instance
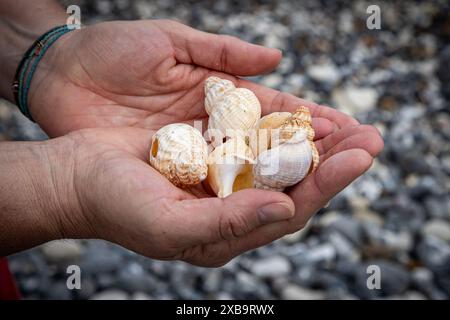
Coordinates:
211 220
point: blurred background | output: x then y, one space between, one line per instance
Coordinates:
397 216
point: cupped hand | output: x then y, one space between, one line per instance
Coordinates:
146 74
139 76
122 199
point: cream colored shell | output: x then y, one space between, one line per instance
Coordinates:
180 153
284 165
230 167
215 88
291 152
266 128
232 111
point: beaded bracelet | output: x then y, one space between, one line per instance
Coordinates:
28 65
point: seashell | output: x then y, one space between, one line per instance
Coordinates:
230 167
179 152
300 119
283 165
215 88
291 152
232 111
266 125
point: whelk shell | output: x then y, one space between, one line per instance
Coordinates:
291 153
180 153
283 165
230 167
232 111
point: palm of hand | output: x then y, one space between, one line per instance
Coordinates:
148 74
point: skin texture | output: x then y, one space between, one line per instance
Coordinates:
121 81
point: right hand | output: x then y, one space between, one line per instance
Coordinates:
121 198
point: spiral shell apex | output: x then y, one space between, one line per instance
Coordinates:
215 88
230 109
179 153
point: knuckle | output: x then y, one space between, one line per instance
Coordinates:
233 224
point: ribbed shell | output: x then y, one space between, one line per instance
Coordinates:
232 111
284 165
180 153
300 119
230 167
215 88
266 126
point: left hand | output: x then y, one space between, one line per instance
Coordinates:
148 74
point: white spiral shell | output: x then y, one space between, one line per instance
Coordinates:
232 111
283 165
180 153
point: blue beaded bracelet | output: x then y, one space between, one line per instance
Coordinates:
29 63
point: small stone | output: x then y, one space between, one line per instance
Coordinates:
388 240
348 227
286 65
353 100
88 288
62 251
212 280
99 259
394 279
112 294
409 295
326 72
223 296
104 7
133 277
59 291
272 80
434 253
438 207
437 228
294 292
251 287
298 235
423 280
323 253
271 267
329 217
140 296
369 217
344 248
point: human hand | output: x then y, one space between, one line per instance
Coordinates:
141 73
151 73
148 74
109 191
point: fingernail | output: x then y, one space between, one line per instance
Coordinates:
274 212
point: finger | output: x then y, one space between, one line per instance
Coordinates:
273 100
326 144
221 52
312 194
341 119
210 220
369 141
322 128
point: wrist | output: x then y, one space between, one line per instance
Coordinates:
22 23
38 203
